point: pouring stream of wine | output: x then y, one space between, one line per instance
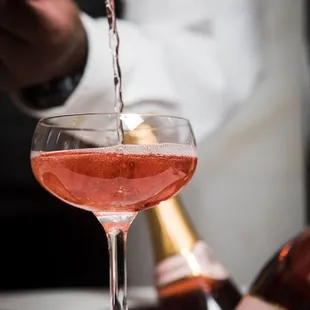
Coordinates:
114 47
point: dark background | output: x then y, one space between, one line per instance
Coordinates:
43 243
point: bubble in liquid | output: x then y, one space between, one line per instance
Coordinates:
164 149
124 192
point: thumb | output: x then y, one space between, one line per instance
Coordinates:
21 18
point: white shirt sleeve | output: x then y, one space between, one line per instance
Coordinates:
200 65
239 31
139 57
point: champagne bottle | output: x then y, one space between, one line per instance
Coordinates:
187 274
284 282
186 271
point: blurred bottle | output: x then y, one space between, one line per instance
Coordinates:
284 283
187 274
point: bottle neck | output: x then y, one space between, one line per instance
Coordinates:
171 231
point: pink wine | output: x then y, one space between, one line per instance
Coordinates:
125 178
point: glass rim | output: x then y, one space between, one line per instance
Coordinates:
43 121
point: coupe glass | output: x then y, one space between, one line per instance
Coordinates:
82 160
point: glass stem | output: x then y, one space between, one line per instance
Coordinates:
118 270
116 227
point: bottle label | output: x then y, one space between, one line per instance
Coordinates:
253 303
197 261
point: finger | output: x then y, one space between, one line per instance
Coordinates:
13 49
10 81
33 19
14 59
7 81
19 18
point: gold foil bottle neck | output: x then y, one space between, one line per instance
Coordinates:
144 134
170 229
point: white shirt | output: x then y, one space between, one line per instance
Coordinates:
206 61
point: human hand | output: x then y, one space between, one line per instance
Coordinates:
39 40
